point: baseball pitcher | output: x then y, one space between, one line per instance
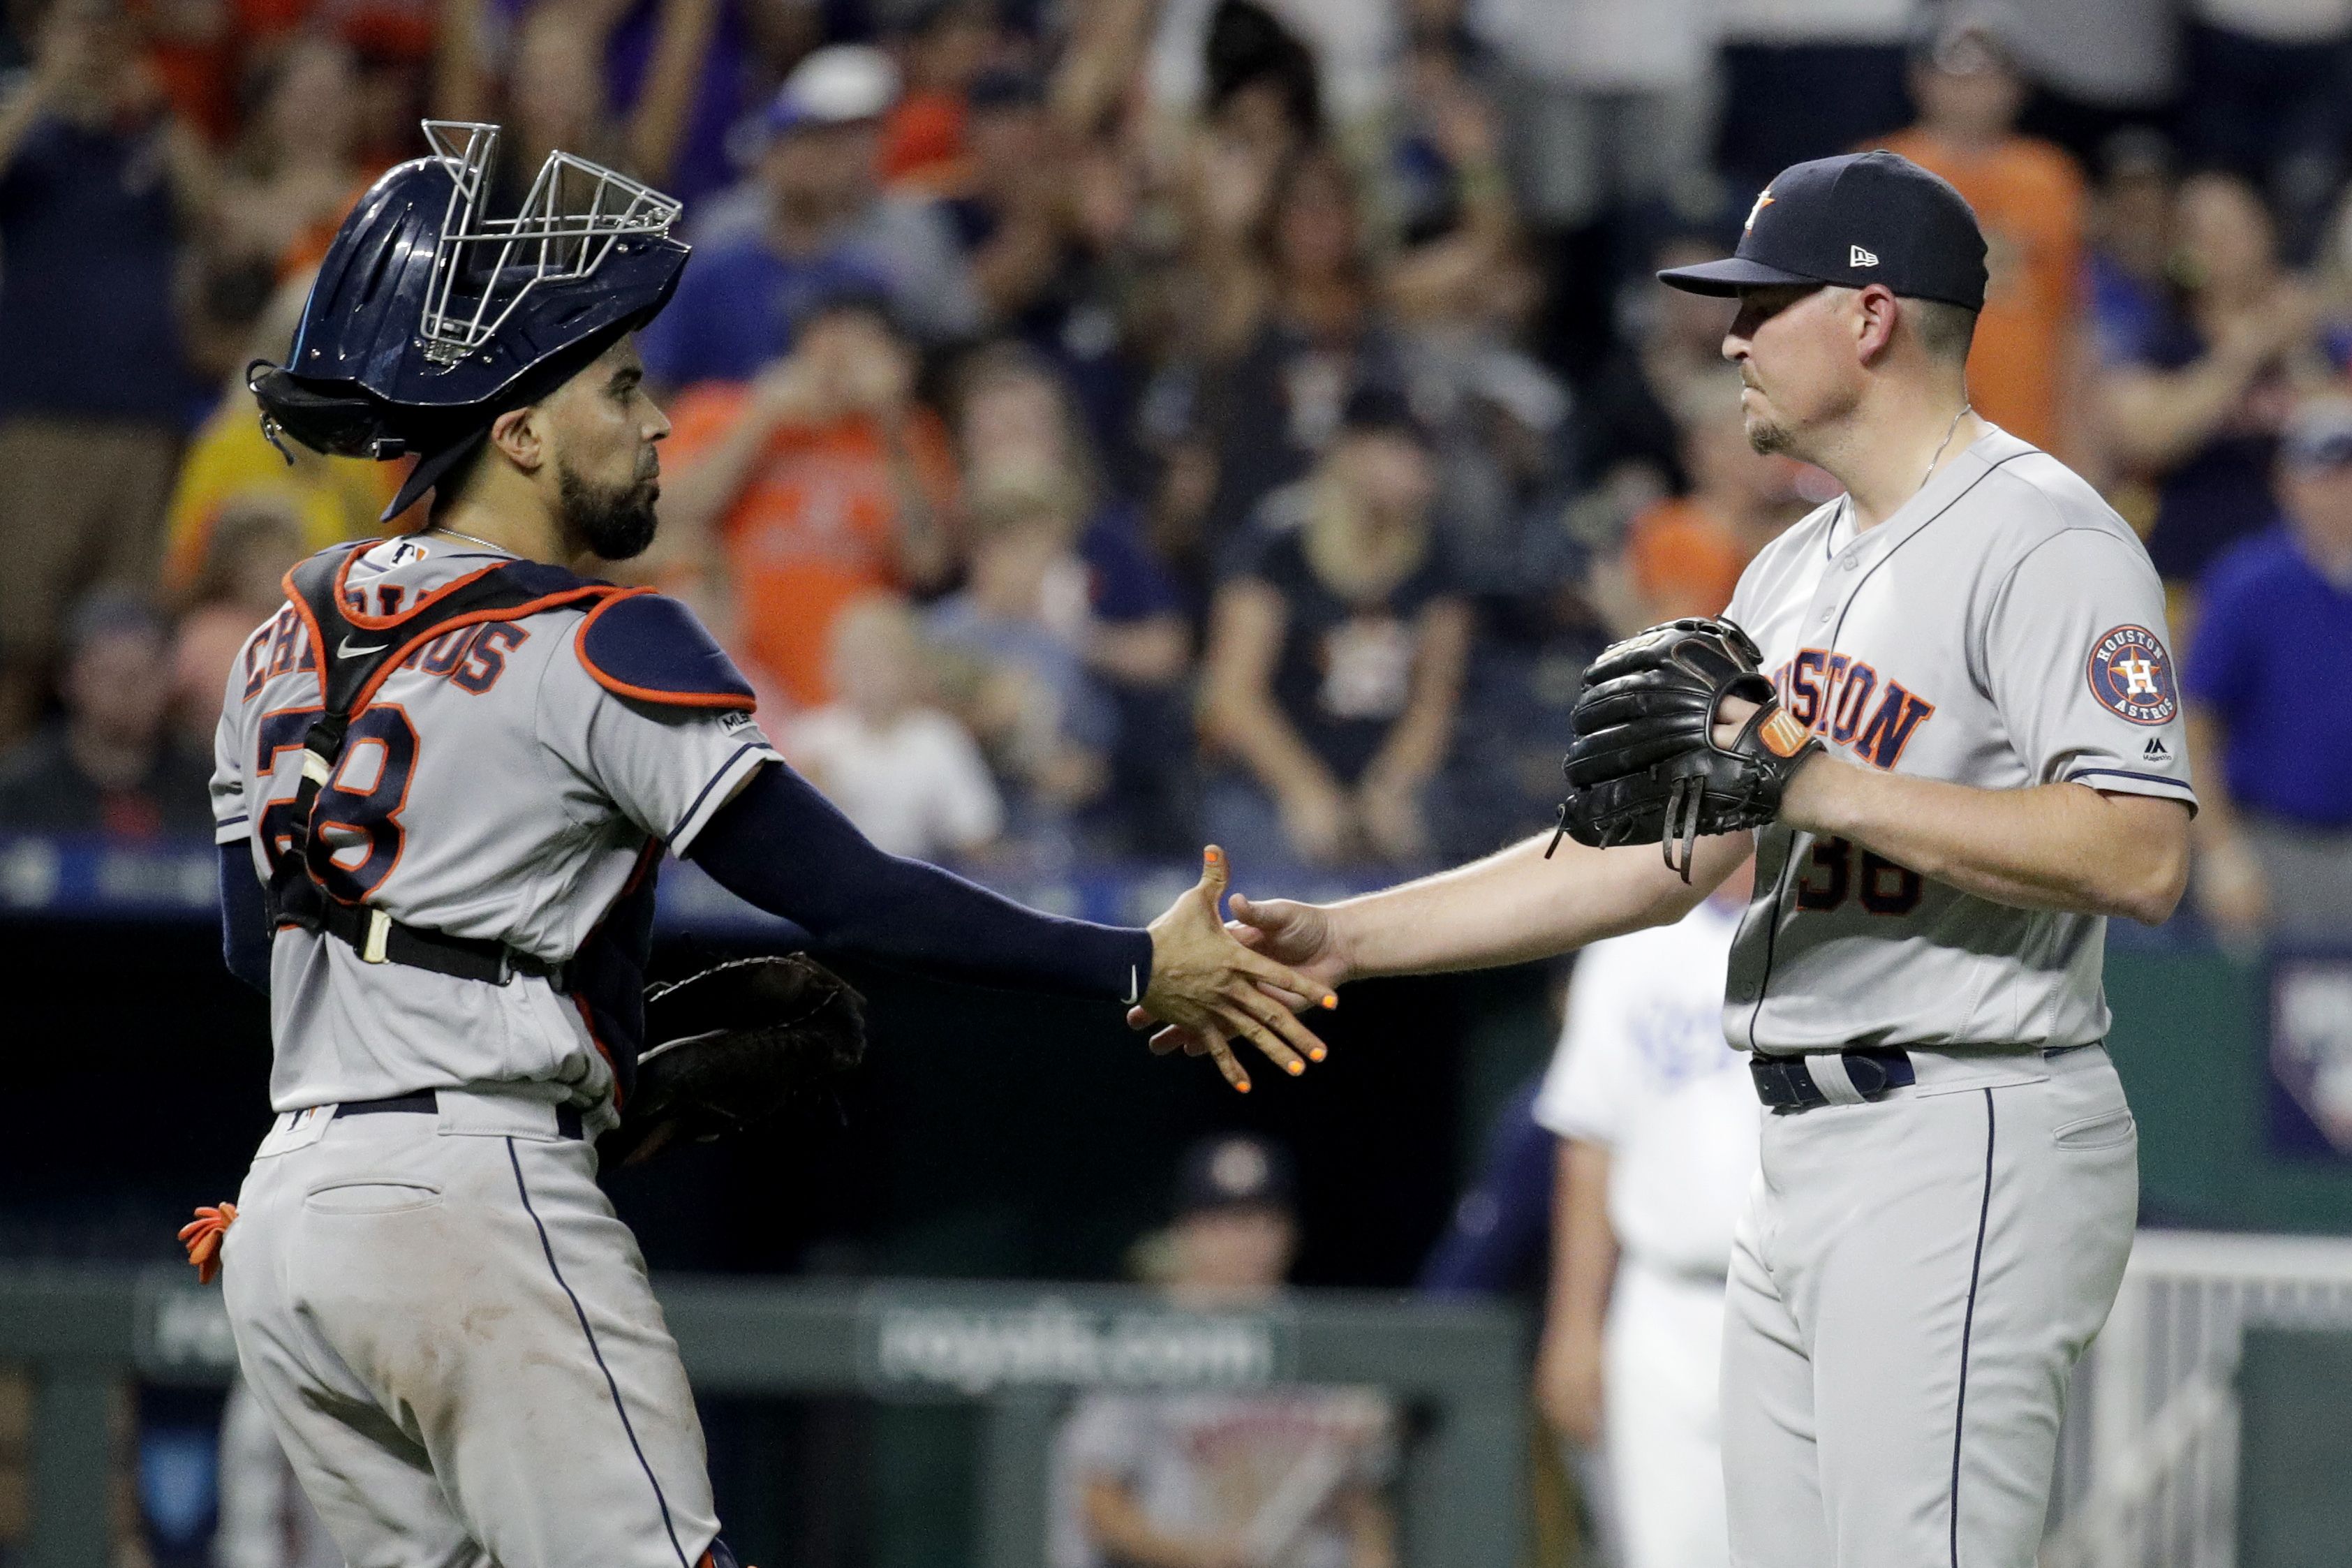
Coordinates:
1941 715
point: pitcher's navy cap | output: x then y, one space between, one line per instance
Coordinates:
1853 220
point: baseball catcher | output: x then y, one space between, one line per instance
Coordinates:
447 776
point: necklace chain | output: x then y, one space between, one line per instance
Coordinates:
1949 431
502 550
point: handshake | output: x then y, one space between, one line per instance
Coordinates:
1215 981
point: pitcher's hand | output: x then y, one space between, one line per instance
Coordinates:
1301 936
1208 986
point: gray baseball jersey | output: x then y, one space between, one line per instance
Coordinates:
2003 628
492 789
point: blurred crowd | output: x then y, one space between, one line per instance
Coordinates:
1102 425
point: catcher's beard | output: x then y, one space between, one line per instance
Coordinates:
611 523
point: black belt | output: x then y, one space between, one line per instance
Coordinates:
567 1116
1795 1083
379 939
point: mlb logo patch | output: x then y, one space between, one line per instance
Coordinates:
2131 675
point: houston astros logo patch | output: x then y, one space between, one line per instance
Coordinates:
2131 675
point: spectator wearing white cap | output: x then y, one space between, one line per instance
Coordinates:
2273 767
811 219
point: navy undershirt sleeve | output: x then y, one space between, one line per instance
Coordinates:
784 848
246 936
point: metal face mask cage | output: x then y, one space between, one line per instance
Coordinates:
484 266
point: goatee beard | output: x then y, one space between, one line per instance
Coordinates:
1768 439
610 524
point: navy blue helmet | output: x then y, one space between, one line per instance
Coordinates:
429 318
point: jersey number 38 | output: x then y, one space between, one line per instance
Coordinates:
1831 875
359 808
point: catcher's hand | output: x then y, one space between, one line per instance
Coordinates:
1644 766
733 1046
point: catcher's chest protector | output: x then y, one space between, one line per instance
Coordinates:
355 651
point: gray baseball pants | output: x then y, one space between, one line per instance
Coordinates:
457 1344
1912 1284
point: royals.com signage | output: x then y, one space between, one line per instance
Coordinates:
912 1345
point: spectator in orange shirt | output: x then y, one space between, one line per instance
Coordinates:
2029 198
817 483
942 47
1684 555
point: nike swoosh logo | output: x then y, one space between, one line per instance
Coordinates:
344 650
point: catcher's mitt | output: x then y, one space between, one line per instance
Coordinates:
1644 765
734 1046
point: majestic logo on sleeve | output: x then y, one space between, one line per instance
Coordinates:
2131 675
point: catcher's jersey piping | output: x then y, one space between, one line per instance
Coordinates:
1782 879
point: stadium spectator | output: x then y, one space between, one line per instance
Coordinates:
2267 99
231 466
1335 660
1658 1128
1213 1480
2098 66
1015 426
1627 436
2274 769
2196 404
819 482
1020 628
900 767
1610 106
1013 206
2130 242
1205 55
648 87
812 215
1684 555
286 186
1463 292
1610 102
943 46
2025 369
240 585
1306 325
1805 78
109 765
96 181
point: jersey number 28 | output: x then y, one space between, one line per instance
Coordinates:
359 808
1831 875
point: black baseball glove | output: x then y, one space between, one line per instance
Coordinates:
733 1046
1643 766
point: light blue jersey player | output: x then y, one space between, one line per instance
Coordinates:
446 772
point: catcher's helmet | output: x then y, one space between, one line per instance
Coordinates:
429 318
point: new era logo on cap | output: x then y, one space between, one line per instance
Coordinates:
1927 244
